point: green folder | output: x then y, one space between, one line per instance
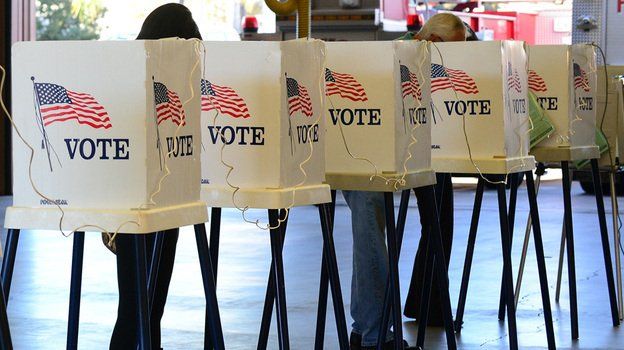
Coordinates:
542 127
603 146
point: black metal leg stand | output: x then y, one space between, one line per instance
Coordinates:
387 307
567 215
393 258
145 339
472 237
507 270
329 254
213 333
277 245
8 261
425 294
5 331
321 314
215 232
541 261
153 267
604 233
514 180
435 258
269 298
74 291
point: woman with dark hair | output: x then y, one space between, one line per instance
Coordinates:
170 20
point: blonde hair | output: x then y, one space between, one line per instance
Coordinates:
443 25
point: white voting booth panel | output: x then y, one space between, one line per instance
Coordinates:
378 105
262 117
613 101
563 77
102 118
484 85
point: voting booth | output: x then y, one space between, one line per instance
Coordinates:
263 128
482 86
563 77
115 132
378 115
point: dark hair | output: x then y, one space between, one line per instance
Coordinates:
169 20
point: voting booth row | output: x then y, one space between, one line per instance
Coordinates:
140 137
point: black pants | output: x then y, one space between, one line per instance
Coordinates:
126 328
412 304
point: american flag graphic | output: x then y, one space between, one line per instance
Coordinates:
298 98
536 82
445 78
580 78
513 79
409 83
57 104
224 99
344 85
168 105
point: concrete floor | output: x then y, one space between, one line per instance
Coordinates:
39 295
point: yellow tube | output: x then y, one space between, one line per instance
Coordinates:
287 7
303 19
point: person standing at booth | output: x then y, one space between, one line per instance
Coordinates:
370 257
166 21
412 303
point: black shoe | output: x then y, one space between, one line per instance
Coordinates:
355 343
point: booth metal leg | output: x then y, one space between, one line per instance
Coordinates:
5 331
74 291
393 258
8 261
472 237
507 270
277 245
541 260
145 341
513 198
400 229
567 202
269 298
525 244
616 238
215 233
153 267
606 248
321 314
561 257
213 333
435 261
329 254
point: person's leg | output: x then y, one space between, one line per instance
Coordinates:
412 304
125 331
165 269
370 263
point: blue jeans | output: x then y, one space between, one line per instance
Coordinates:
370 263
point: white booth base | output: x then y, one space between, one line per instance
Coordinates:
266 198
150 220
363 182
487 166
560 154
